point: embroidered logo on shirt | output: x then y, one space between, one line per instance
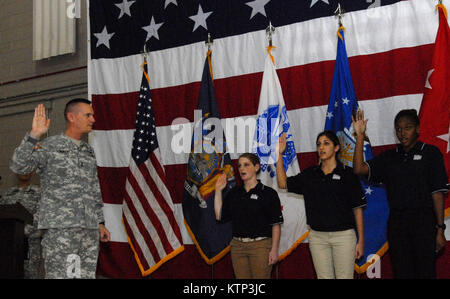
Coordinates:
336 177
254 196
417 157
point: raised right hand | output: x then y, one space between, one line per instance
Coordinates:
40 124
281 146
221 182
359 123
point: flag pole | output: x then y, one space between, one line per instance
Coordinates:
209 42
270 30
339 13
145 52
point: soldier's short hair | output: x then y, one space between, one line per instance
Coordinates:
72 103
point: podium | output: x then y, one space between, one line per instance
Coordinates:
12 252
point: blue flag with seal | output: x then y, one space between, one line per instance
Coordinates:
342 105
272 121
207 160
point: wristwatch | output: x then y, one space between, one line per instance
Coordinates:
443 226
32 140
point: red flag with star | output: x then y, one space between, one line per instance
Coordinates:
435 109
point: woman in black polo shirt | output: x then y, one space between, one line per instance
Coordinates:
416 181
255 213
333 202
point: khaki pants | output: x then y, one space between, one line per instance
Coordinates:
251 259
333 253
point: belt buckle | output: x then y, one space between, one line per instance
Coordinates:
246 240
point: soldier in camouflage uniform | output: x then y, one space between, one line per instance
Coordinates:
71 205
28 196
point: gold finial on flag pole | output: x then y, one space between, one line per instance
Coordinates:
270 30
339 13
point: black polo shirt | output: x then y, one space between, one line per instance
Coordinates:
252 213
410 177
329 199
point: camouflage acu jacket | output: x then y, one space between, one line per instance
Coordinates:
70 190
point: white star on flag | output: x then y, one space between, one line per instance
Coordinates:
345 101
124 8
368 190
330 115
170 1
103 37
427 83
200 18
315 1
258 7
376 3
152 29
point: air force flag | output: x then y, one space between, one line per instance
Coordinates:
272 121
342 104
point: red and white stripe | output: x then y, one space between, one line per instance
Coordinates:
148 214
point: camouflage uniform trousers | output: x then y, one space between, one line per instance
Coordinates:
70 253
33 265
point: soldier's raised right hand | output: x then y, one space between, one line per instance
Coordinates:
40 124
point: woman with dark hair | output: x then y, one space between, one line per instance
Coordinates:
416 181
333 202
255 213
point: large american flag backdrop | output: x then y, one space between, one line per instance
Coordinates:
389 45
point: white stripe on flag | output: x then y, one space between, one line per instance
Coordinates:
113 221
308 122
